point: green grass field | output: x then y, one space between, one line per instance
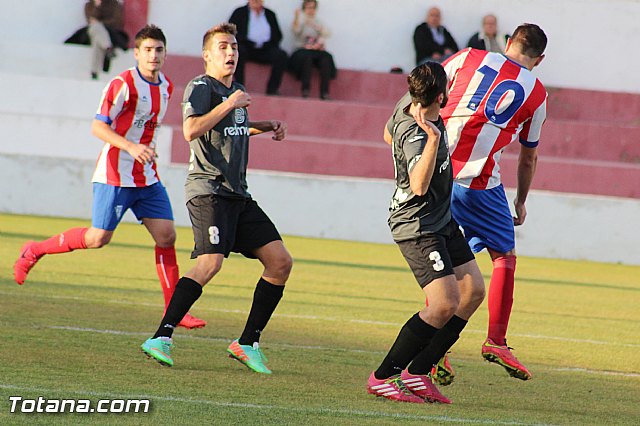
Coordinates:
74 331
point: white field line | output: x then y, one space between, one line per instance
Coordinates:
306 410
606 373
336 319
309 347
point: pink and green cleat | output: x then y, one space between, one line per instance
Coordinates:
249 355
443 372
423 386
501 354
392 388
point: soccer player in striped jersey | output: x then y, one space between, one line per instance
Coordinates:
494 99
131 110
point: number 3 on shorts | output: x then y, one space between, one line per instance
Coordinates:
214 236
438 264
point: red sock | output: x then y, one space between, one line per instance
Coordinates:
167 268
500 298
69 240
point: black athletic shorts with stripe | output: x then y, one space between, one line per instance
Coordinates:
432 256
222 225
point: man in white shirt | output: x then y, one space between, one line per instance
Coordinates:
259 38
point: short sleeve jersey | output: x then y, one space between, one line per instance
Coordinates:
218 161
414 215
134 108
493 101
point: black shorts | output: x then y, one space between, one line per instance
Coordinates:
222 225
433 256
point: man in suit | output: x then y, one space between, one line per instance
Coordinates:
432 41
259 39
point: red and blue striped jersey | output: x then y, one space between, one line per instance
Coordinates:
493 101
134 108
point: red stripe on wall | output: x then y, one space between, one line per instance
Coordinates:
136 15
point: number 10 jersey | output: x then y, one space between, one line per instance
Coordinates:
493 101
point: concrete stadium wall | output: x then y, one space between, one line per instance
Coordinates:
377 34
47 156
42 122
558 225
47 153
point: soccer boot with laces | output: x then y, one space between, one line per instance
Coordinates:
443 372
501 354
423 386
249 355
25 262
392 388
159 349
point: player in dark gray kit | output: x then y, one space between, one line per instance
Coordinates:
430 241
224 216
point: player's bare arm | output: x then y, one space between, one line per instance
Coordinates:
387 136
421 174
142 153
526 170
279 128
196 126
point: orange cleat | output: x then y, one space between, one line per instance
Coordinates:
189 322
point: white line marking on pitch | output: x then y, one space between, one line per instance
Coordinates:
362 413
307 347
343 320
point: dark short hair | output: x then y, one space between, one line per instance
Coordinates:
152 32
531 39
426 82
304 3
223 28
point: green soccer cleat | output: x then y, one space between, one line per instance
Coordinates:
249 355
159 349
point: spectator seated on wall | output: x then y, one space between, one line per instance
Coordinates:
489 38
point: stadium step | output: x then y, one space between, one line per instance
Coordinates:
311 155
562 174
364 87
372 159
586 147
588 140
592 105
330 119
